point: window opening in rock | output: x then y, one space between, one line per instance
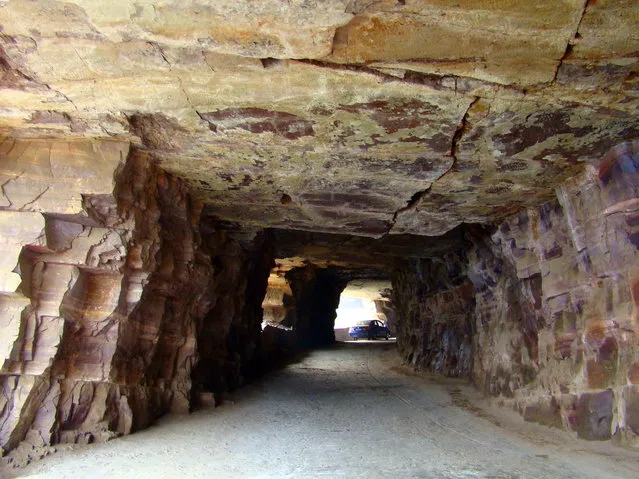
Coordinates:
361 314
356 314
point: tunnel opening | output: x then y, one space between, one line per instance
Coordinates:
154 319
353 311
186 195
365 304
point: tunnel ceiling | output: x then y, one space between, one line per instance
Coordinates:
352 117
363 253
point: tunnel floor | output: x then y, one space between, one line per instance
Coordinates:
349 411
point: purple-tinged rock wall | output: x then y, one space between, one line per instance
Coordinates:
434 302
557 295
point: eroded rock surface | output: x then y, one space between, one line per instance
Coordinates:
542 312
558 284
440 103
435 306
156 158
115 309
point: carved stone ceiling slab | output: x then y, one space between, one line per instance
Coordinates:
353 117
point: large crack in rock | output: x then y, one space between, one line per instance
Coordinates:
243 124
571 43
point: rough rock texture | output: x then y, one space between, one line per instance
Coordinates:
542 310
316 292
556 304
47 176
387 313
392 34
116 306
229 334
279 334
279 305
93 360
416 137
271 110
434 304
39 272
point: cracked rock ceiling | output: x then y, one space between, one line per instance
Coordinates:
352 117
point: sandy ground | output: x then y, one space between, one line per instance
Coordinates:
346 412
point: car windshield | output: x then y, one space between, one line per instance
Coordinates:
362 323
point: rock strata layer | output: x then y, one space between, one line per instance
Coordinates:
439 102
124 310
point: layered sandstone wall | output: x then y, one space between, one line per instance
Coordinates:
557 294
109 304
57 262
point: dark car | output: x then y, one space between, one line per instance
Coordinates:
372 329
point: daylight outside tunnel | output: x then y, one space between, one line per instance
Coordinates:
202 203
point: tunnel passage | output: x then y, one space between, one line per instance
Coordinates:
141 305
302 302
157 164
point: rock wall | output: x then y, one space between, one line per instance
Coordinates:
557 295
279 317
52 261
541 312
115 300
316 292
279 304
434 305
229 334
386 313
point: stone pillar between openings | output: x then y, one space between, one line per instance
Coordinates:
316 292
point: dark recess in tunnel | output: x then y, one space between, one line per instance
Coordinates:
317 293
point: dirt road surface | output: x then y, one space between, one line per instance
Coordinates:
346 412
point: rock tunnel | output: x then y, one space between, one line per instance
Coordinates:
174 175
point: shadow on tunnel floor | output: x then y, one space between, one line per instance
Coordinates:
280 360
361 344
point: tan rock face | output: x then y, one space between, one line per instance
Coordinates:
279 309
491 41
52 176
372 118
18 229
267 29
